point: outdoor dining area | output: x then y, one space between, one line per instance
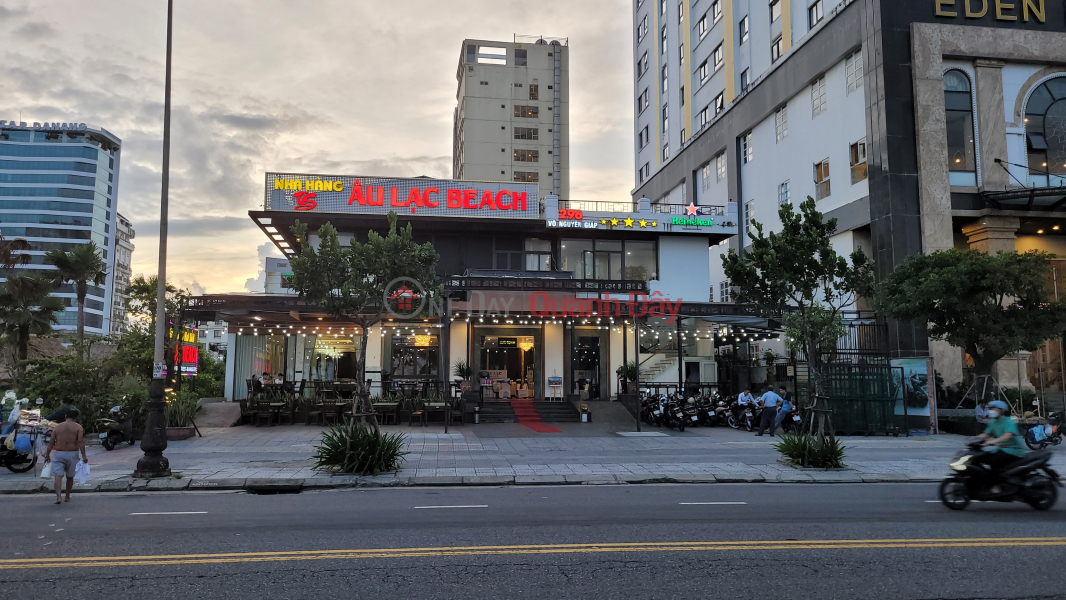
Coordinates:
325 402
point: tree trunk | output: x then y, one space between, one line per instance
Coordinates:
363 395
819 409
23 352
83 289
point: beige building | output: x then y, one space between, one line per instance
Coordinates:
512 118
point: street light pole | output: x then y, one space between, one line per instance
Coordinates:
154 440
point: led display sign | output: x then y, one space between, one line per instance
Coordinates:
375 195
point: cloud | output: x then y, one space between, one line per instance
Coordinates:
262 86
258 283
35 30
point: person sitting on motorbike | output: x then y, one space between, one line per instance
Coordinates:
1002 442
746 399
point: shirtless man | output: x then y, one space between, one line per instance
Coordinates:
68 439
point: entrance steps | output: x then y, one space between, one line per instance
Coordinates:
656 365
557 412
549 412
497 412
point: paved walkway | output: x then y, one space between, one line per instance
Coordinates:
485 453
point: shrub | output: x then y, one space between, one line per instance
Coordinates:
358 449
181 408
806 450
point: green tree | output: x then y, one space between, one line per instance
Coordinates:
82 265
141 306
988 305
26 309
13 252
798 272
351 282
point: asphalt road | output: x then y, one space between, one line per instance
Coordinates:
636 541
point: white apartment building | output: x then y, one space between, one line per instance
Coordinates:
512 119
919 125
122 271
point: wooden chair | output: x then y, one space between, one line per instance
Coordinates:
247 414
314 411
419 414
457 411
263 410
329 411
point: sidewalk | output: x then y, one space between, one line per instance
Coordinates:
249 457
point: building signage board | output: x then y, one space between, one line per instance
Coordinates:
376 195
43 126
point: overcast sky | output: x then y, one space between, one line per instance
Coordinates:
331 86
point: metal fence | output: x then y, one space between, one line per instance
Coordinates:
863 397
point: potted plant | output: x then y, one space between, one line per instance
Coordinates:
180 410
629 373
462 371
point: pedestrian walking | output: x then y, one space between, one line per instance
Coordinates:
68 440
769 403
784 409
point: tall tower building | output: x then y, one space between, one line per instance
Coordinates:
512 120
123 270
58 189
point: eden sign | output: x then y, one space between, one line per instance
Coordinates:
1004 10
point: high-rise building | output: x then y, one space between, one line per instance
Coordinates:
919 125
512 121
123 270
58 189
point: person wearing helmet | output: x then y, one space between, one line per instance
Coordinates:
1002 442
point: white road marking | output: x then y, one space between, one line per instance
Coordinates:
191 512
711 503
458 506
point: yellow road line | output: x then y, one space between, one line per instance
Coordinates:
448 551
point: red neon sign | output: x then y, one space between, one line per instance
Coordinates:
429 197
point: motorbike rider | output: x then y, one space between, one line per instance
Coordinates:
746 399
1002 443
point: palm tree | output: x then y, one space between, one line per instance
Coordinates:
26 309
82 265
13 252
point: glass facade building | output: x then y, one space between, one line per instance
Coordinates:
58 189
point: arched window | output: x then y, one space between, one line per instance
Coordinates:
958 101
1045 133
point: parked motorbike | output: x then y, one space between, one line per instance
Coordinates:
672 415
1028 479
690 413
115 429
741 415
791 423
1041 436
22 457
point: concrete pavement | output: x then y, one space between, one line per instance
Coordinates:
512 454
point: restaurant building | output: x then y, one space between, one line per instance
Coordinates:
541 298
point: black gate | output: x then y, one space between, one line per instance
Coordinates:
862 397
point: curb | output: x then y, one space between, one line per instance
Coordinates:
278 486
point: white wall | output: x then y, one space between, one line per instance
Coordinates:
457 344
810 139
553 355
684 271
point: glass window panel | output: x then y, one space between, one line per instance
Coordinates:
609 245
960 141
640 261
572 256
1039 101
956 81
602 265
616 265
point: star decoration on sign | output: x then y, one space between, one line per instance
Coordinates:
692 210
654 223
629 221
614 221
603 221
643 223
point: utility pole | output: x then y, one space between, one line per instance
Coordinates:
154 440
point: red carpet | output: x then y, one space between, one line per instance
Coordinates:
527 415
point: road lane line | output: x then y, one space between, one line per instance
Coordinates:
188 512
448 551
712 503
457 506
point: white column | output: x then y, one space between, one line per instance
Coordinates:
231 363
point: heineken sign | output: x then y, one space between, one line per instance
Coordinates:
692 222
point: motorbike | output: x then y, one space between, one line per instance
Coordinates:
22 457
792 422
672 415
1028 479
1041 436
690 412
741 415
115 429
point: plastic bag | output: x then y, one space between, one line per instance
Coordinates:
46 472
81 473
